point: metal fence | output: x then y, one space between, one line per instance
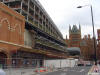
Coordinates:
19 66
6 63
20 71
27 67
34 66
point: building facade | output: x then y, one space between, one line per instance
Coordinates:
41 39
74 36
12 27
87 48
85 44
98 44
74 41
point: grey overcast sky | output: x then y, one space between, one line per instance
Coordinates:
65 13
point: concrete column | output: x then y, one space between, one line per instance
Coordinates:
38 19
45 25
9 60
34 13
3 1
42 21
21 6
28 9
38 61
8 4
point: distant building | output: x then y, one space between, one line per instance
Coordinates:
74 36
98 34
85 44
74 41
87 48
98 44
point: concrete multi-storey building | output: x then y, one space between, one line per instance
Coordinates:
42 39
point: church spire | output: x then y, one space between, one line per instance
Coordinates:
79 27
69 29
66 37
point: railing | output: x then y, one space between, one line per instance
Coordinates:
25 2
35 23
10 0
49 43
20 66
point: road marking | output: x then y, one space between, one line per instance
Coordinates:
82 70
63 73
78 71
65 70
37 74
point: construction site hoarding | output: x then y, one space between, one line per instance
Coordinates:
60 63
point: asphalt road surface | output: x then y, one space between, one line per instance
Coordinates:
79 70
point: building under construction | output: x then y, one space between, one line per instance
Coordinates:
42 39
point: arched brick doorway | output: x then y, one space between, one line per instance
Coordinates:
3 59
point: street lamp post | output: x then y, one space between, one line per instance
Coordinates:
94 39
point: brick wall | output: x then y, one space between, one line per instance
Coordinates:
11 28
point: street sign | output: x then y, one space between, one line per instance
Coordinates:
95 70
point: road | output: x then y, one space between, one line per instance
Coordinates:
81 70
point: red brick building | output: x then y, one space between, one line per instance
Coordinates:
74 36
87 49
11 33
85 44
98 44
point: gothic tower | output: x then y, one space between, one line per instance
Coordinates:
74 36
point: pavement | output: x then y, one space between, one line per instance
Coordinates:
78 70
95 70
19 71
23 71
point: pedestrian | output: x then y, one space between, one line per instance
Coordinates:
2 72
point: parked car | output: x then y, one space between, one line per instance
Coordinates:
88 64
80 64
